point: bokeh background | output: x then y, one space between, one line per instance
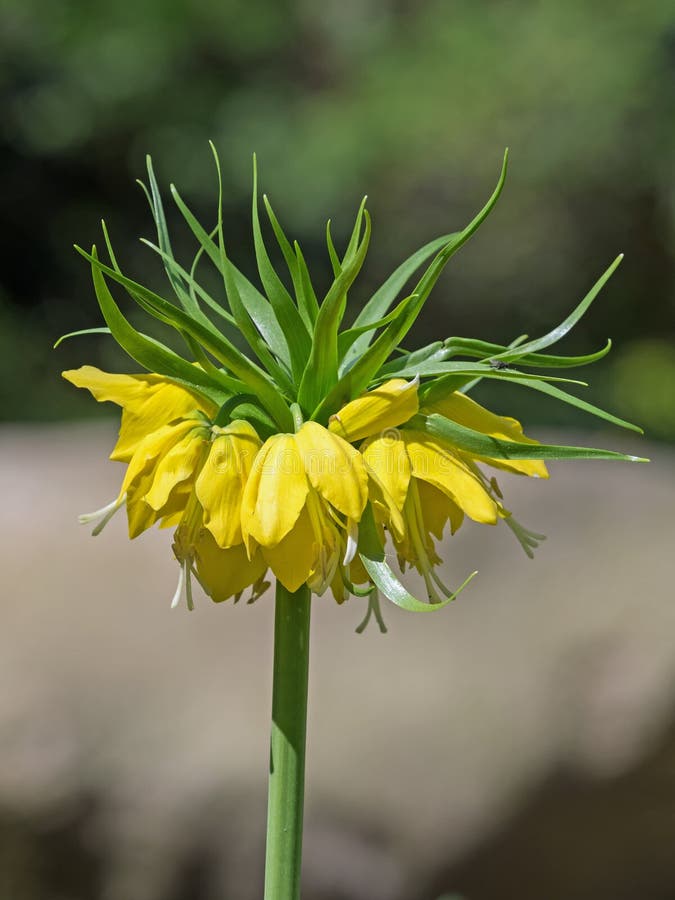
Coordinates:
520 745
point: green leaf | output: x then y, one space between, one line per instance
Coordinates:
258 306
347 338
561 330
193 285
242 318
381 301
435 352
210 339
433 368
373 558
153 355
321 372
64 337
307 296
332 252
307 302
157 208
355 235
478 444
383 298
294 328
487 351
449 383
358 377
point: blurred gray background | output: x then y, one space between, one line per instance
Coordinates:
520 744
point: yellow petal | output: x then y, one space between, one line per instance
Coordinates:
151 448
148 403
438 509
275 492
224 573
334 468
467 412
140 516
387 406
221 482
177 465
328 545
388 459
433 462
357 572
294 557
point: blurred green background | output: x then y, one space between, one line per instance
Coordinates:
410 102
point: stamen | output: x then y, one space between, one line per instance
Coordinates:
423 562
179 589
188 584
352 542
105 514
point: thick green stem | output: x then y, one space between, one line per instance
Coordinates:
287 758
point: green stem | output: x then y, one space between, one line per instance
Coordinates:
287 758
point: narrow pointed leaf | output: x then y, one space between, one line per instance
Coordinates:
488 351
386 295
561 330
287 314
153 355
332 252
433 368
244 322
193 285
455 383
347 338
71 334
448 246
259 307
321 372
306 299
157 209
479 444
373 558
210 339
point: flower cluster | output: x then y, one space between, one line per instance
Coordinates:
293 504
305 458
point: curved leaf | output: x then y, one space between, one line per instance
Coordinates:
64 337
373 558
153 355
478 444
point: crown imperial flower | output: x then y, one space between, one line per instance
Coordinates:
305 455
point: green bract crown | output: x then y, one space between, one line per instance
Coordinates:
299 351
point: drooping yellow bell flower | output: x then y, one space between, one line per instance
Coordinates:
148 402
419 483
304 489
465 411
429 485
222 572
163 436
221 482
385 407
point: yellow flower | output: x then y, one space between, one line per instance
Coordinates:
467 412
221 482
387 406
302 502
148 402
163 436
419 483
222 572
